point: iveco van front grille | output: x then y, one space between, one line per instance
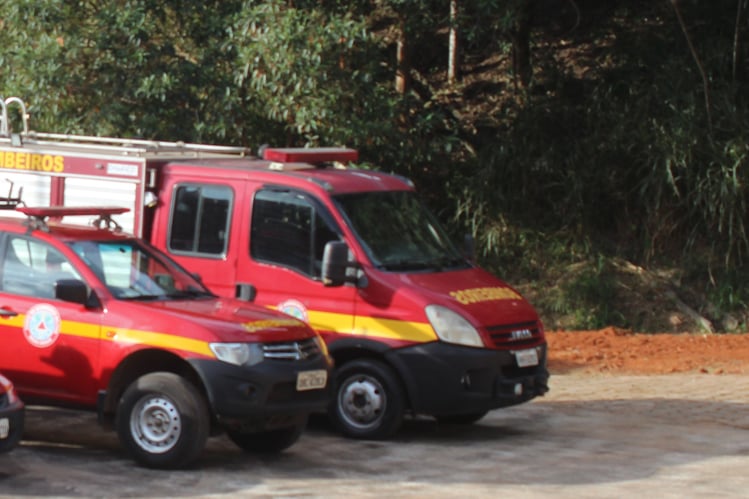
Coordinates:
292 350
515 335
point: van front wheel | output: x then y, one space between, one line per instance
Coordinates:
368 401
267 442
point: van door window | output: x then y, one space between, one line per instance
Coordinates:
200 219
289 230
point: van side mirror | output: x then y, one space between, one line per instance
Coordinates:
72 290
334 263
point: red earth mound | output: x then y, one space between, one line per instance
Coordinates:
615 351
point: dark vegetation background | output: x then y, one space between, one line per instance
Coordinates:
596 149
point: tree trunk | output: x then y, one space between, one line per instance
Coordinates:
521 46
453 57
403 62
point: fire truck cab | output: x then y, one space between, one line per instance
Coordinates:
413 325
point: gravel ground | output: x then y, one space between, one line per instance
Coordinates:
678 435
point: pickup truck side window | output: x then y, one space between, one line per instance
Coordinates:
288 230
200 219
31 268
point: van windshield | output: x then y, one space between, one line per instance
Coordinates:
398 232
133 271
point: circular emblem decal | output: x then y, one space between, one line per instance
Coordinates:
42 325
293 308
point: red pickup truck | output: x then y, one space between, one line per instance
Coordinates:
96 319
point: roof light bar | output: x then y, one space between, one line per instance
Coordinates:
310 154
70 211
38 215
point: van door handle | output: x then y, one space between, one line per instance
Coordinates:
7 312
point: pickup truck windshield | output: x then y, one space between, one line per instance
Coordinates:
398 232
132 271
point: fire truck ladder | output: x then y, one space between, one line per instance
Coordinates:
111 145
5 128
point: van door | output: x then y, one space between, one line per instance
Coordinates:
288 232
48 347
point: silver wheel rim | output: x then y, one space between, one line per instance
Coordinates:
362 401
155 424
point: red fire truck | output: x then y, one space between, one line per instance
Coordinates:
413 326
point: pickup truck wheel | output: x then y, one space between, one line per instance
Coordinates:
368 400
267 442
462 418
163 421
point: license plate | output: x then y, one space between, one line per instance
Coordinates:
311 380
4 428
527 358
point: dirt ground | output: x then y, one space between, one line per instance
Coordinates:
617 351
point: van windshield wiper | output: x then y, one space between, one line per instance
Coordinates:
438 263
446 262
144 297
406 265
190 293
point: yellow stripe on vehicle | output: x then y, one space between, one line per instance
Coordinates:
161 340
80 329
137 337
419 332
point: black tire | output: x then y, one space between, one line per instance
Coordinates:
162 421
267 442
462 418
368 401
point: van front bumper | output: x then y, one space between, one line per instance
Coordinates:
443 379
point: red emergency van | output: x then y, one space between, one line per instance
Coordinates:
95 319
414 326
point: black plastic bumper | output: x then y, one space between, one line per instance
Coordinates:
263 396
15 416
444 379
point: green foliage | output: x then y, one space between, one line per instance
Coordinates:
624 155
315 73
135 67
619 147
591 296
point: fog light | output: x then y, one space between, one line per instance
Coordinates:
247 390
466 381
518 389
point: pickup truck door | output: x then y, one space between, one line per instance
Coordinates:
48 347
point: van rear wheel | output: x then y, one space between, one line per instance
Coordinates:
368 401
162 421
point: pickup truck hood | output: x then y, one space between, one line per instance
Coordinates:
231 320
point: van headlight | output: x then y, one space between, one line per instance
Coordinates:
452 327
239 354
